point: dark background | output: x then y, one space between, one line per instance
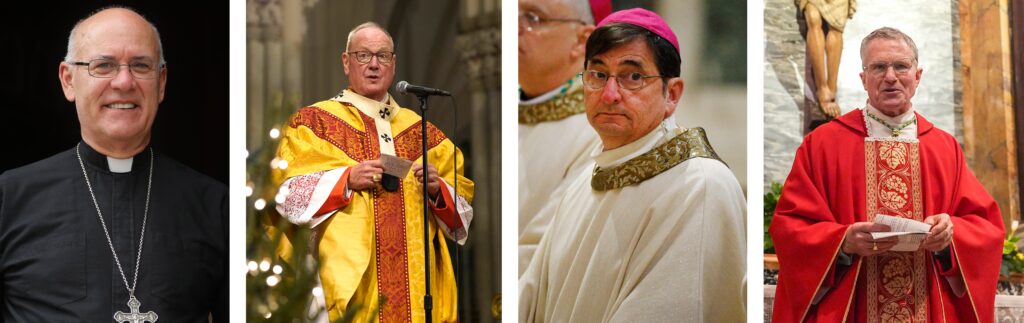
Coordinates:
191 126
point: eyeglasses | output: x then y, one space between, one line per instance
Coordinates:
595 80
108 68
364 57
532 20
901 67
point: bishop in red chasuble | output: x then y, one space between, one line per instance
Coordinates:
884 159
840 177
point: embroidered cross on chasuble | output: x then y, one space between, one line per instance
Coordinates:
896 281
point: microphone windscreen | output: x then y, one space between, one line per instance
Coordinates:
402 85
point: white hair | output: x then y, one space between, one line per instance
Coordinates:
887 33
69 56
368 24
582 10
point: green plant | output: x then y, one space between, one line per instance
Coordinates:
771 198
1013 258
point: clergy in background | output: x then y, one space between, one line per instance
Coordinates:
653 231
554 137
111 229
884 159
368 219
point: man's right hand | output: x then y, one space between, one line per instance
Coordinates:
360 178
858 239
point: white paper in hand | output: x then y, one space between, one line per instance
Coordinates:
910 232
395 166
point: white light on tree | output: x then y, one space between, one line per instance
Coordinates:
265 265
272 280
277 269
260 204
274 133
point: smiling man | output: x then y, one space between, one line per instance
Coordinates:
653 231
111 229
368 221
884 159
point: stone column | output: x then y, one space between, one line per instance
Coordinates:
479 47
263 27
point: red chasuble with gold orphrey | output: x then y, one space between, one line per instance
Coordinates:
840 177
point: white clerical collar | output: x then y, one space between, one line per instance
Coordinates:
386 109
120 165
564 88
878 130
665 131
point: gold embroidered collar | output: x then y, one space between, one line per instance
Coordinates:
692 143
555 109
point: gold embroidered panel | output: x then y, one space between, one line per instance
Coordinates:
553 110
691 143
390 245
896 281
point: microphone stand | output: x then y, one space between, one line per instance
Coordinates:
422 95
428 305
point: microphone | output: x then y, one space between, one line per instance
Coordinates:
406 88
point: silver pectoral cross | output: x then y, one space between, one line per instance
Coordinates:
134 316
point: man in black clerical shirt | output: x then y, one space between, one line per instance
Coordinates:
110 229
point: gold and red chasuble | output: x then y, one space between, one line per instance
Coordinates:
895 281
390 228
388 213
371 251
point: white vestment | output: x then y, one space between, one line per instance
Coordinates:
550 153
667 249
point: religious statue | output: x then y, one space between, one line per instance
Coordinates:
823 21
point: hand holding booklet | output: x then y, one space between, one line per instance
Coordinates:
910 232
395 166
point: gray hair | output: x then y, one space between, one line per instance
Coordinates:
71 39
368 24
582 9
887 33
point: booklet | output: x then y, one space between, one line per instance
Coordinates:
910 232
395 166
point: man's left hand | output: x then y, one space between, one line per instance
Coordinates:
434 183
941 233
